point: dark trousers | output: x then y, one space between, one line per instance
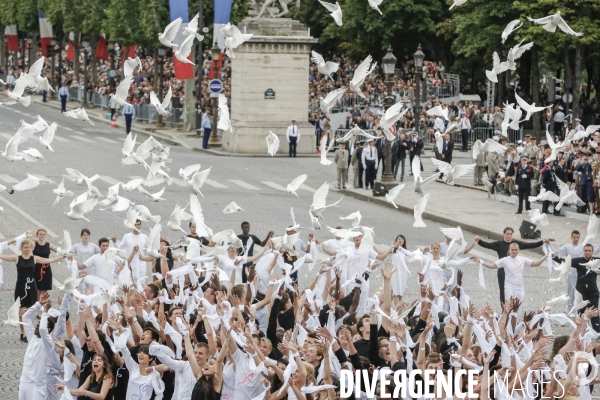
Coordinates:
465 139
318 139
593 302
361 172
524 195
63 103
205 138
371 172
395 163
44 94
112 113
128 119
292 145
501 283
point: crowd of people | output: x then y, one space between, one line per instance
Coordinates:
205 321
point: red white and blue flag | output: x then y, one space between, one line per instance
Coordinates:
222 14
179 9
45 32
12 38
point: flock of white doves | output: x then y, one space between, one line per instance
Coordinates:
158 172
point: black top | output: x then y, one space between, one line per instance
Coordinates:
402 147
241 250
25 287
524 176
374 349
586 279
501 246
549 179
416 146
96 387
204 241
198 393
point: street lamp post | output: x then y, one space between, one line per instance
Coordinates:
419 57
111 73
161 60
85 43
389 67
214 139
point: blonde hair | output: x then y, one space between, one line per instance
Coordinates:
24 242
310 373
41 230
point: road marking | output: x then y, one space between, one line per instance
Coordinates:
106 140
274 185
43 178
108 179
82 139
136 177
29 218
243 184
215 184
8 179
7 135
307 188
60 139
68 129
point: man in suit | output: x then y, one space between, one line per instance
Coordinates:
358 167
340 158
403 146
395 157
416 145
447 149
381 154
356 164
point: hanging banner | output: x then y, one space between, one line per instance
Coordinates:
12 38
222 14
45 33
101 49
179 9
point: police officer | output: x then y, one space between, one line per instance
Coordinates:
63 94
524 174
369 162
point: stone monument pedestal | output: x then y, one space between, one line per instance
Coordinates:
270 86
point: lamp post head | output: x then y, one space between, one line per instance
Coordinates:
389 62
215 51
419 56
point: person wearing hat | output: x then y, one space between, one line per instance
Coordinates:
293 137
524 174
578 127
369 163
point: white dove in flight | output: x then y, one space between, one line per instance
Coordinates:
325 68
360 74
161 108
295 184
166 37
335 11
550 23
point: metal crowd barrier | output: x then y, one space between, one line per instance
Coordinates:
145 113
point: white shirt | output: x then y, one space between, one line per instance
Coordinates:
369 154
34 371
360 260
293 131
332 244
246 377
139 387
128 242
465 123
103 269
228 265
513 270
84 252
184 377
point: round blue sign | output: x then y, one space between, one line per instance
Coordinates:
215 86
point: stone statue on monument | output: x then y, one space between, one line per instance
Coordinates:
258 8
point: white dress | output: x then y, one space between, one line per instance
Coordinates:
400 276
139 386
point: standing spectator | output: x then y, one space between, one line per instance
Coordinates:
498 117
63 94
357 163
549 184
416 145
401 154
447 149
128 112
586 184
293 137
318 132
341 161
380 154
369 162
465 127
206 125
524 174
558 117
479 167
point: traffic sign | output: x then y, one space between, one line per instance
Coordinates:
548 114
215 86
393 129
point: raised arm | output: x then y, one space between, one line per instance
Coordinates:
42 260
529 245
539 261
9 258
381 256
489 265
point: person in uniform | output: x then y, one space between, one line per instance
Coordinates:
357 165
341 161
524 174
369 163
293 137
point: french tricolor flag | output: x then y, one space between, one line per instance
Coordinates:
45 33
12 38
222 14
179 9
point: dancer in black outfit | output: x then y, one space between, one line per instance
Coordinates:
43 271
26 287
